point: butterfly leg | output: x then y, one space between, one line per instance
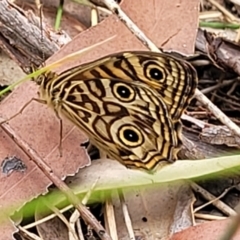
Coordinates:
60 132
22 109
25 106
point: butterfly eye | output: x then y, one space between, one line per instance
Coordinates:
156 73
130 136
123 92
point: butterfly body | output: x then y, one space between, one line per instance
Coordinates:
129 104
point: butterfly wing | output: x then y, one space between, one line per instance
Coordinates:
141 129
128 120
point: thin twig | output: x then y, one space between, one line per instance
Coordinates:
126 215
29 234
208 216
214 199
79 229
231 17
94 17
110 220
115 8
218 203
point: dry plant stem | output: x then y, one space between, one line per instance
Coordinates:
126 216
218 203
210 14
195 121
115 8
219 85
29 234
208 217
217 112
224 10
110 219
94 17
193 219
79 229
215 199
84 212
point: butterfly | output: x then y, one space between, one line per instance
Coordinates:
128 103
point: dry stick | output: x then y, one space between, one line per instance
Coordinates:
23 32
73 199
94 17
115 8
217 203
203 216
79 229
224 10
214 200
126 215
29 234
110 219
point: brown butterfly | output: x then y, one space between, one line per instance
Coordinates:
129 104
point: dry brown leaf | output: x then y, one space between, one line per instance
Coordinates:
210 230
169 24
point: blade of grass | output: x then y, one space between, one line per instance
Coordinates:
219 25
54 65
59 15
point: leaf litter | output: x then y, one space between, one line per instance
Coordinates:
184 42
